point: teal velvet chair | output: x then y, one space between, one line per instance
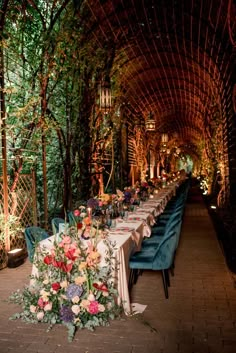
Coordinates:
71 218
158 258
55 222
34 235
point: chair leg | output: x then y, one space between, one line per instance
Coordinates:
133 277
165 279
136 274
172 269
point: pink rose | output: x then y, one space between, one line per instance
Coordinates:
41 303
48 307
93 307
76 213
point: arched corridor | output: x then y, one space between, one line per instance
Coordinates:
108 107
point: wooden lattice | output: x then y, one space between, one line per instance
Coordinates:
21 203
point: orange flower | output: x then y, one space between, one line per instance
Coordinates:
87 221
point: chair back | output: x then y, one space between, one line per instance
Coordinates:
71 219
164 256
55 222
33 235
175 218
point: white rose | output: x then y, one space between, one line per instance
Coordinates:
101 308
44 294
75 299
33 308
75 309
91 297
40 315
64 284
105 294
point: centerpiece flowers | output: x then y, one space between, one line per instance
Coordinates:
71 287
79 218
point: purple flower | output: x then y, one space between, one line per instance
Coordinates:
66 314
92 203
127 195
74 290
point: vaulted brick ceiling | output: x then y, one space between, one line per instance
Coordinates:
175 58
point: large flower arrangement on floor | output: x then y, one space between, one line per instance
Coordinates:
71 287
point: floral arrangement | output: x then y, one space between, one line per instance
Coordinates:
71 287
80 218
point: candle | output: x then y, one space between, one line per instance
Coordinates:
89 212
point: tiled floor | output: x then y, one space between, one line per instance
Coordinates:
198 317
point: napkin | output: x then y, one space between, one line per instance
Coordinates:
151 220
138 308
146 230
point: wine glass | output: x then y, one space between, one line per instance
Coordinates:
122 213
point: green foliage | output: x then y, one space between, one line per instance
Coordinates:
11 226
52 70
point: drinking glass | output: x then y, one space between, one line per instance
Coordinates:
113 223
108 222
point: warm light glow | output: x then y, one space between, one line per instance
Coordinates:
105 97
150 123
14 251
89 212
178 150
164 138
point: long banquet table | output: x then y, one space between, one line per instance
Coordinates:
127 237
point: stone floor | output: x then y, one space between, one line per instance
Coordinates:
198 317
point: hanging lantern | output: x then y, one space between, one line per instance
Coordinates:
164 138
150 123
105 96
